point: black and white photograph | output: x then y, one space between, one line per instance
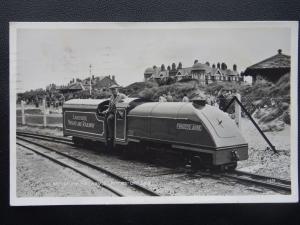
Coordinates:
153 113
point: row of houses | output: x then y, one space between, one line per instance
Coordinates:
203 72
97 83
270 69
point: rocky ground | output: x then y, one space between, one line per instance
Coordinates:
262 159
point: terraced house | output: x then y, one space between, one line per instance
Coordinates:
203 72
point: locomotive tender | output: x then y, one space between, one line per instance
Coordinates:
203 133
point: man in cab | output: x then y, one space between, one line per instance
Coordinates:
115 98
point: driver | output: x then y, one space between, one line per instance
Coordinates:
110 112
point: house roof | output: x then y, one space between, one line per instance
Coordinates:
229 72
76 86
200 66
184 71
215 70
149 70
275 62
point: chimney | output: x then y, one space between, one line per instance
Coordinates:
113 77
179 65
173 66
234 67
196 60
279 51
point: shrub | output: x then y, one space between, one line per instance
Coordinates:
286 117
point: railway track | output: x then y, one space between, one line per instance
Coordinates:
43 137
86 169
273 183
265 181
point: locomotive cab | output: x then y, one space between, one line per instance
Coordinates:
122 109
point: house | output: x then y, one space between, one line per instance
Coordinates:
270 69
99 83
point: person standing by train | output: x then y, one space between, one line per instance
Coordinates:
169 97
185 98
162 98
222 100
115 98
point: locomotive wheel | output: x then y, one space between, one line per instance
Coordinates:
197 162
76 140
228 167
233 166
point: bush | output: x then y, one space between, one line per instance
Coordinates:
286 117
284 106
274 114
177 90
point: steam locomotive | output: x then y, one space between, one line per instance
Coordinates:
202 133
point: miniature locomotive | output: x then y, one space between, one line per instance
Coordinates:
201 132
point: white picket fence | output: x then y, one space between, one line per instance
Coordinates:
45 119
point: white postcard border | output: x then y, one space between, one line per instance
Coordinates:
17 201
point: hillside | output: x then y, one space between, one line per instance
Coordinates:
152 91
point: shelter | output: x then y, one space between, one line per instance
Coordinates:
270 69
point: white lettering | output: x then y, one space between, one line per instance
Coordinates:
186 126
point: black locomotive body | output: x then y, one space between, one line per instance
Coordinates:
202 132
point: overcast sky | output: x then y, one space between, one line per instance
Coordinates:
47 56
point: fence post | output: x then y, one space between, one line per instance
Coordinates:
237 111
44 113
23 112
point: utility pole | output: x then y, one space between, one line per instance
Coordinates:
90 80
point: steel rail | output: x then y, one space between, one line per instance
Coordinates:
259 180
263 177
98 168
37 137
43 135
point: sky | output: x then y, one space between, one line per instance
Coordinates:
45 56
